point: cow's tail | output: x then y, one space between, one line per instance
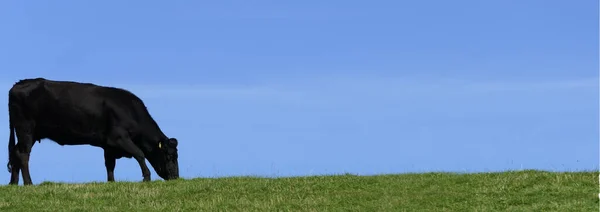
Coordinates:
11 144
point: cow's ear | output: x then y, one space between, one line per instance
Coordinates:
173 142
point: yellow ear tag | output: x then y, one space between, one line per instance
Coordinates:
159 145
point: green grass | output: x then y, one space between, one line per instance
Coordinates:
503 191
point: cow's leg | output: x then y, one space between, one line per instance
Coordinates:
15 167
121 140
23 150
15 162
110 161
137 153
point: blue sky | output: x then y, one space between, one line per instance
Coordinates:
281 88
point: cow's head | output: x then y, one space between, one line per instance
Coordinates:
165 159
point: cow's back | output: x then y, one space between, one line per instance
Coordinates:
66 112
81 112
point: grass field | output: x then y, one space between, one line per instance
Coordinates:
504 191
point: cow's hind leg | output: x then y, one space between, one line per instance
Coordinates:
22 153
15 169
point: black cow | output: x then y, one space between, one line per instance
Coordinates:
74 113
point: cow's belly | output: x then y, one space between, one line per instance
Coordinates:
71 137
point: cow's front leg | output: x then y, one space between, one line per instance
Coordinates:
110 161
120 139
